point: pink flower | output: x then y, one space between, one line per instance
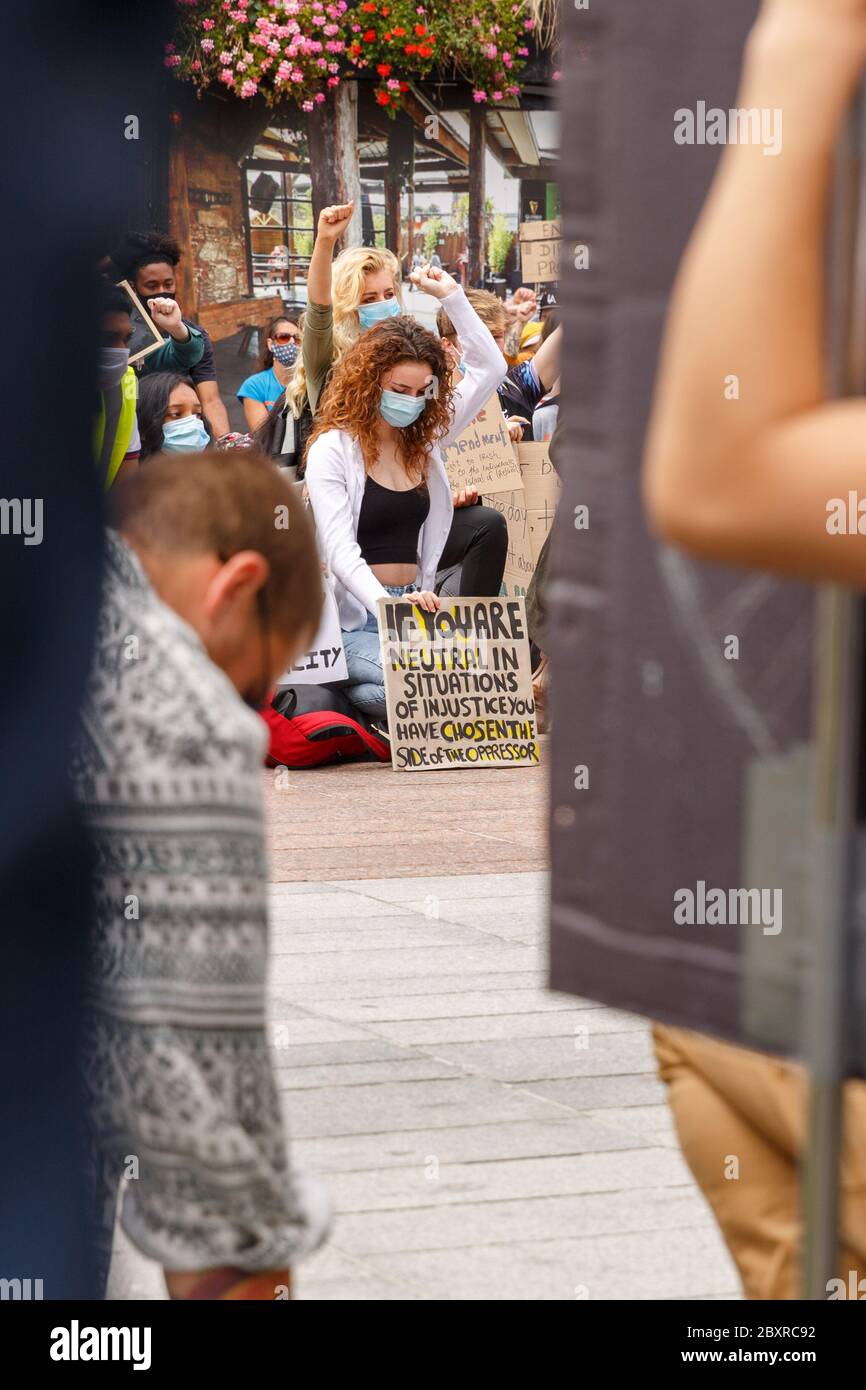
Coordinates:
208 23
479 96
497 96
319 98
170 48
172 61
196 65
306 106
489 50
333 81
529 23
207 45
556 76
225 58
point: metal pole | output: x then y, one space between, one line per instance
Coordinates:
838 717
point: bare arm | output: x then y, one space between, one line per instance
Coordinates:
333 222
744 452
215 412
546 360
255 412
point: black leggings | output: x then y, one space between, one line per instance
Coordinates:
478 540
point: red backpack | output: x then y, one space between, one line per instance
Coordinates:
315 724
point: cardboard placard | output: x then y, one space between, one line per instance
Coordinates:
539 261
458 684
145 332
540 230
483 456
519 564
541 493
326 659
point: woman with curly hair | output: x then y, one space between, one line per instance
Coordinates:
375 472
348 297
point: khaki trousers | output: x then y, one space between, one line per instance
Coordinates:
741 1121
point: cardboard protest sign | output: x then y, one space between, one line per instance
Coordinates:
519 561
539 261
146 337
483 456
458 684
541 493
326 659
540 230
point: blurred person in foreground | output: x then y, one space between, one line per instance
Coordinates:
212 587
749 482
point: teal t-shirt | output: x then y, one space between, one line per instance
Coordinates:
263 386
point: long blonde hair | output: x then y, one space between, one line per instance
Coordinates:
347 288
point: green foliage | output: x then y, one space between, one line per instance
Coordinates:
432 235
498 244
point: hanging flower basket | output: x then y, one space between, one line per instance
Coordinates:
297 49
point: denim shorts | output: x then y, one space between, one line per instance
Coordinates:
365 684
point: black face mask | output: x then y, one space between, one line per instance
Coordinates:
145 299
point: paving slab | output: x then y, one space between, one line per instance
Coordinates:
436 1183
557 1133
468 1225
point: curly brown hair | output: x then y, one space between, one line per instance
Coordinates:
351 399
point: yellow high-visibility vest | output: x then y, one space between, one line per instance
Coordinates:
122 434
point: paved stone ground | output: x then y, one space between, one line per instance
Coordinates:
482 1137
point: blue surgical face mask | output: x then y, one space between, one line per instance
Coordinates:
185 436
371 314
285 353
400 410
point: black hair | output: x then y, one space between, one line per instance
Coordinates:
154 391
144 248
112 300
549 324
266 357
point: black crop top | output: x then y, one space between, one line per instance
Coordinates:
389 523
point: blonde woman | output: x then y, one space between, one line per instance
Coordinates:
347 297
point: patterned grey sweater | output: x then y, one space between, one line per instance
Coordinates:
183 1095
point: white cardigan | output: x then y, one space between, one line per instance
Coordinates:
335 478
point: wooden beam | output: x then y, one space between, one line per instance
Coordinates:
178 223
332 136
477 146
439 134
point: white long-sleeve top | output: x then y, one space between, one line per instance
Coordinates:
336 477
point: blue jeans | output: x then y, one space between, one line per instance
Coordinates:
365 685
